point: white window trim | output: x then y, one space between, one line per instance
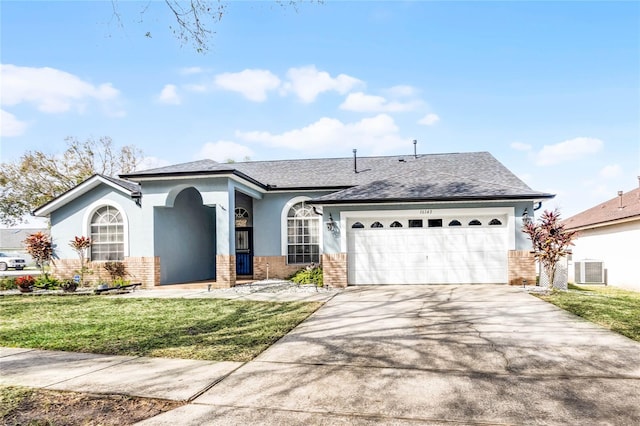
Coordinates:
283 228
90 211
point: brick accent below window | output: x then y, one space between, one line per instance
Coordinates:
278 267
145 270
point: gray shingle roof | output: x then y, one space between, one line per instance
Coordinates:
433 176
130 186
625 207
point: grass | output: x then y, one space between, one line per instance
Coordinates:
613 308
207 329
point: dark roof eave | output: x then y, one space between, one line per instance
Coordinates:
142 176
48 203
429 200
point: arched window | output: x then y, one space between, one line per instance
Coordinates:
303 234
242 217
495 222
357 225
396 224
455 222
107 234
475 222
377 225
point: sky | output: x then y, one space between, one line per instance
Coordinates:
551 89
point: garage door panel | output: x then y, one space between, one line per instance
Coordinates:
427 255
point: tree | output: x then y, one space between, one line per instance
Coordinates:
37 178
80 246
551 241
194 19
40 248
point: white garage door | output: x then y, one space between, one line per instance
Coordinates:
441 254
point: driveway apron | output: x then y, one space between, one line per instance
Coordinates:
431 355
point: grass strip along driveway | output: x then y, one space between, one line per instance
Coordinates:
205 329
613 308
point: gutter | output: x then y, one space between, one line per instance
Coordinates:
427 200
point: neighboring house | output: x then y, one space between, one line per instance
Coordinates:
12 241
608 233
428 219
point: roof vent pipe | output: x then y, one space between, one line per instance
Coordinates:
620 198
355 161
415 148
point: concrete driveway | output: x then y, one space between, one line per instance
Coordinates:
431 355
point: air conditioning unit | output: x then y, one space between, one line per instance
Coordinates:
589 272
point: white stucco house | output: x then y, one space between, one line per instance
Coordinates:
413 219
608 242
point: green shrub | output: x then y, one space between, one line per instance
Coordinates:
46 282
312 274
8 283
119 282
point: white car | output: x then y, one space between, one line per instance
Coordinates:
7 261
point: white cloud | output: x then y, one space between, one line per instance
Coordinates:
362 102
569 150
375 135
401 91
611 171
520 146
191 70
169 95
222 151
200 88
252 84
148 163
307 83
10 126
429 119
50 90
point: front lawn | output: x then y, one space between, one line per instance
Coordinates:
613 308
208 329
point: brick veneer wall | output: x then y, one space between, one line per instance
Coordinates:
278 267
522 266
225 271
334 267
145 270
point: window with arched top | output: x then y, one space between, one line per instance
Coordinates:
475 222
455 222
396 224
107 234
377 224
303 234
495 222
357 225
242 217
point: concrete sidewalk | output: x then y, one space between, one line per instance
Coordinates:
174 379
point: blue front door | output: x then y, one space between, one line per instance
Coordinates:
244 251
